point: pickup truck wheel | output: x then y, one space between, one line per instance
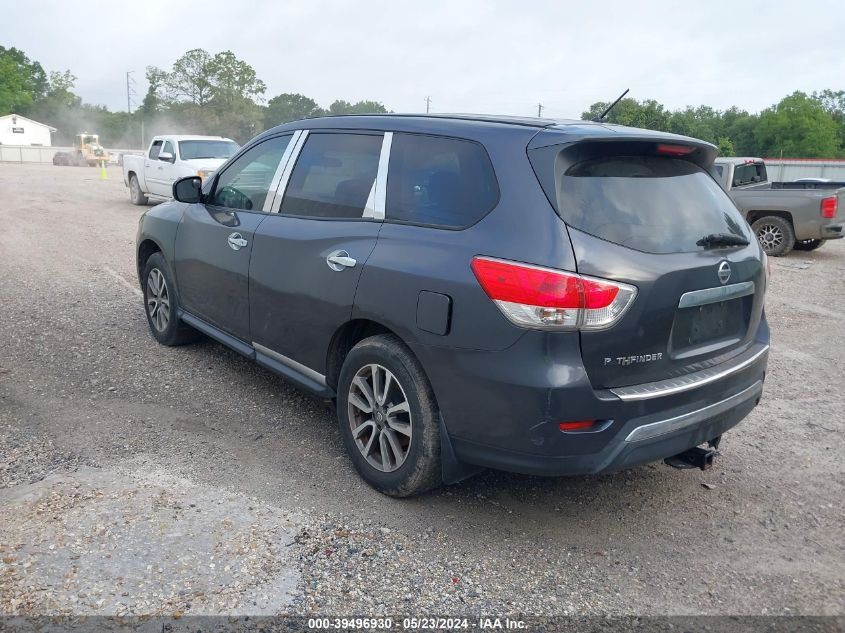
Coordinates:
389 418
775 235
808 245
160 304
135 193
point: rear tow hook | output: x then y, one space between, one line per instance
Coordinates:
695 457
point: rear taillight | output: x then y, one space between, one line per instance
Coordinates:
535 297
829 207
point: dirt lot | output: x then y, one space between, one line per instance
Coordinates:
142 479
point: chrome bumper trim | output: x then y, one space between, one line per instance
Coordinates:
671 425
689 381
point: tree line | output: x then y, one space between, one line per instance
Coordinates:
798 126
200 94
204 93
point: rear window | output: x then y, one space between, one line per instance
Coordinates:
648 203
749 173
439 181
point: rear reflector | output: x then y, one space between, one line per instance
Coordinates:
674 150
580 425
535 297
829 207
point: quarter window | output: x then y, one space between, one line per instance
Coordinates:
334 176
155 149
244 183
168 148
439 181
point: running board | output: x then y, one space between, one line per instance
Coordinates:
285 367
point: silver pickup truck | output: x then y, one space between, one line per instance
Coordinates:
783 215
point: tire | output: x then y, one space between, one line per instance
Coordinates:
775 235
160 304
808 245
135 194
415 467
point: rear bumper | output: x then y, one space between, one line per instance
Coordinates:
503 409
667 437
832 231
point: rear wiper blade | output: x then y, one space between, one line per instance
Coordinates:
722 239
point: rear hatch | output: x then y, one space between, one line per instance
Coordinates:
643 210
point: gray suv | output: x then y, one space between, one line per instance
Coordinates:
538 296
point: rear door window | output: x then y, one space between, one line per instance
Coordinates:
334 176
648 203
439 181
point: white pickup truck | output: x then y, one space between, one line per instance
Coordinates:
171 157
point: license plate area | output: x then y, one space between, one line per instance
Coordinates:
705 328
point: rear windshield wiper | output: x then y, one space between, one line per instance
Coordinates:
722 239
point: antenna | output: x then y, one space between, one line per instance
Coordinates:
599 119
427 104
540 107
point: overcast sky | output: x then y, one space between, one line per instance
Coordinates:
469 56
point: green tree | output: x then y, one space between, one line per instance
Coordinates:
190 79
152 103
833 102
290 107
361 107
22 81
726 146
798 127
648 114
61 107
232 79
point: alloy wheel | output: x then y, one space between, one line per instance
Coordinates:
158 300
380 417
770 236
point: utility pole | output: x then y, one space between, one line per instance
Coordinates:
129 91
427 104
539 110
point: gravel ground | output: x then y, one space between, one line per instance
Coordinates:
108 438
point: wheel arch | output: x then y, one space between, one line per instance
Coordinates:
348 336
752 216
146 249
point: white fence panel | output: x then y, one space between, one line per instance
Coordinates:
38 154
786 170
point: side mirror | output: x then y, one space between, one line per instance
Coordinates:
166 157
188 189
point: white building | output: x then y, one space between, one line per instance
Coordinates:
18 130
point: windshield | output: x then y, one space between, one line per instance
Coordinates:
648 203
189 150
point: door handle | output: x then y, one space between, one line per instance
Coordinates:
338 260
237 241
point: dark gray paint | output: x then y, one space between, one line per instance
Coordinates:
502 390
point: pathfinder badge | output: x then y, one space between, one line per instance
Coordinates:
633 360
